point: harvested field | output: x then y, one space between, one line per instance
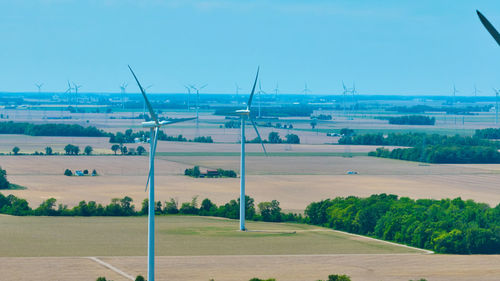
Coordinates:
362 267
294 181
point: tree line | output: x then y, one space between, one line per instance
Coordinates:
452 226
65 130
442 154
412 120
130 137
414 139
267 211
274 137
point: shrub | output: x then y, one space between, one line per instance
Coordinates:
48 150
68 173
16 150
140 278
140 150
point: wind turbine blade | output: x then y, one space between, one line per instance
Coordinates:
491 29
150 108
152 154
203 86
253 88
257 131
168 122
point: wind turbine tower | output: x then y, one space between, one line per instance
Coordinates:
237 92
244 115
496 106
276 91
154 127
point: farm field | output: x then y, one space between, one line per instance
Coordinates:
176 236
295 181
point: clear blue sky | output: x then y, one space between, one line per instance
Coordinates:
387 47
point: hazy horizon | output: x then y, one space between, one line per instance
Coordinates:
389 48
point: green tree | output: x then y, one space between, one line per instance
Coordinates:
140 278
270 211
115 148
16 150
140 150
88 150
292 138
274 137
68 173
4 183
123 150
48 150
313 124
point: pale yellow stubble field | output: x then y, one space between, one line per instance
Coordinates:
294 181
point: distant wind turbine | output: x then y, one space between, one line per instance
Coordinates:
154 127
244 115
237 92
76 87
496 106
306 90
197 89
276 91
476 91
39 86
68 91
260 98
189 94
123 90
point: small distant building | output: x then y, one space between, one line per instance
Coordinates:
352 172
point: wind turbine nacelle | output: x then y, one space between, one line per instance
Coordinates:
243 112
148 124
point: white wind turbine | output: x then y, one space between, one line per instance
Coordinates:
123 90
154 127
244 115
39 86
260 92
197 89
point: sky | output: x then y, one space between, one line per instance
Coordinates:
385 47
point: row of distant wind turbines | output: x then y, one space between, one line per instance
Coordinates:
154 126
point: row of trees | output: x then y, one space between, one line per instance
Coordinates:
414 139
450 226
441 154
65 130
221 173
488 133
268 211
126 151
274 137
412 120
130 137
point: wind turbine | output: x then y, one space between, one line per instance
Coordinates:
476 91
68 91
123 89
76 87
189 93
260 98
154 127
496 106
237 92
197 106
39 86
244 115
306 90
276 91
344 93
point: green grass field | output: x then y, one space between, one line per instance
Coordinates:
176 236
